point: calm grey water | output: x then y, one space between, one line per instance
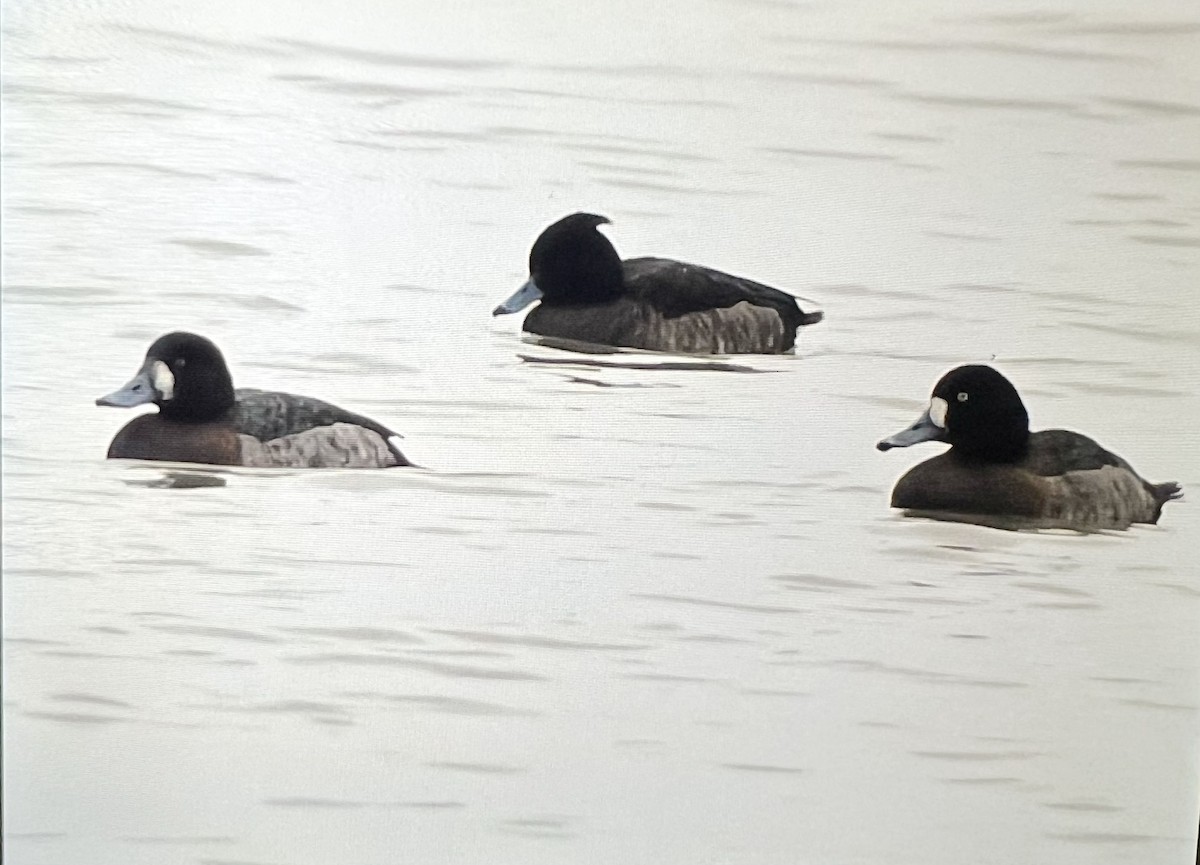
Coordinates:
643 616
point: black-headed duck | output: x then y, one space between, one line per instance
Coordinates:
997 468
202 419
588 294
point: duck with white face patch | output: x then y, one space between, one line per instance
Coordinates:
201 418
996 466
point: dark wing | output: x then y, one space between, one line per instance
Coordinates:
675 288
269 415
1055 452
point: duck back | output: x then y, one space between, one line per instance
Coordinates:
676 307
271 416
1064 480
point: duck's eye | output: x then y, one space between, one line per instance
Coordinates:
181 362
962 396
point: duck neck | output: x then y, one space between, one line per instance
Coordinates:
1001 443
198 401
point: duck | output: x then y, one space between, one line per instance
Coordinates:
201 418
589 295
997 468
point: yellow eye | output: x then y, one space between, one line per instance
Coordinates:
962 396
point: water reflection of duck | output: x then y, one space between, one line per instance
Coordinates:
202 419
590 295
997 467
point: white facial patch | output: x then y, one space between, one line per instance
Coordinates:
937 411
163 379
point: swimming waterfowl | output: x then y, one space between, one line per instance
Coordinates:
588 294
202 419
997 467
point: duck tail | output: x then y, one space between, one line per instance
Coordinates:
393 445
810 317
1164 493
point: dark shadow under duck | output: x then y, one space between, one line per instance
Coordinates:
997 467
202 419
588 294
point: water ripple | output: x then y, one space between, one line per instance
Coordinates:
723 605
438 668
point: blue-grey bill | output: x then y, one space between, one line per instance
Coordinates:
139 391
525 295
924 430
